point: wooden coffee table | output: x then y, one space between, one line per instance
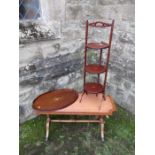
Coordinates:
67 102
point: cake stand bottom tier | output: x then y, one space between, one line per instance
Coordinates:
93 88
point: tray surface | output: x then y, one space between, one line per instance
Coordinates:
93 87
97 45
95 69
55 100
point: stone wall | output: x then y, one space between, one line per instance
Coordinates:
51 49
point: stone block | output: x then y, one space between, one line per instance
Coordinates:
71 34
127 37
25 112
30 55
73 12
68 35
129 52
117 12
122 71
120 96
116 2
117 49
75 75
79 12
26 95
70 47
56 10
62 81
76 84
46 85
125 26
117 80
123 53
130 76
111 89
90 2
30 80
50 48
131 103
38 30
132 87
127 85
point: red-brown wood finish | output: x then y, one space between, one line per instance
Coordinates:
100 24
97 45
55 100
93 87
97 68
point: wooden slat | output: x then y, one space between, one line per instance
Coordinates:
76 121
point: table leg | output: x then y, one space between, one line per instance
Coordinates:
102 128
47 127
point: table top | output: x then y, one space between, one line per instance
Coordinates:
55 100
90 105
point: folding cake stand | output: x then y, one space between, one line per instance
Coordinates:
97 87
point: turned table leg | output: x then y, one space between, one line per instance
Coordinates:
47 127
102 128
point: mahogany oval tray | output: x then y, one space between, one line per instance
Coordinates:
55 100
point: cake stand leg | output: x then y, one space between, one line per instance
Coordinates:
82 96
103 97
102 128
47 127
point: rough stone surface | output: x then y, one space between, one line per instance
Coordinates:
34 31
111 2
91 2
51 50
